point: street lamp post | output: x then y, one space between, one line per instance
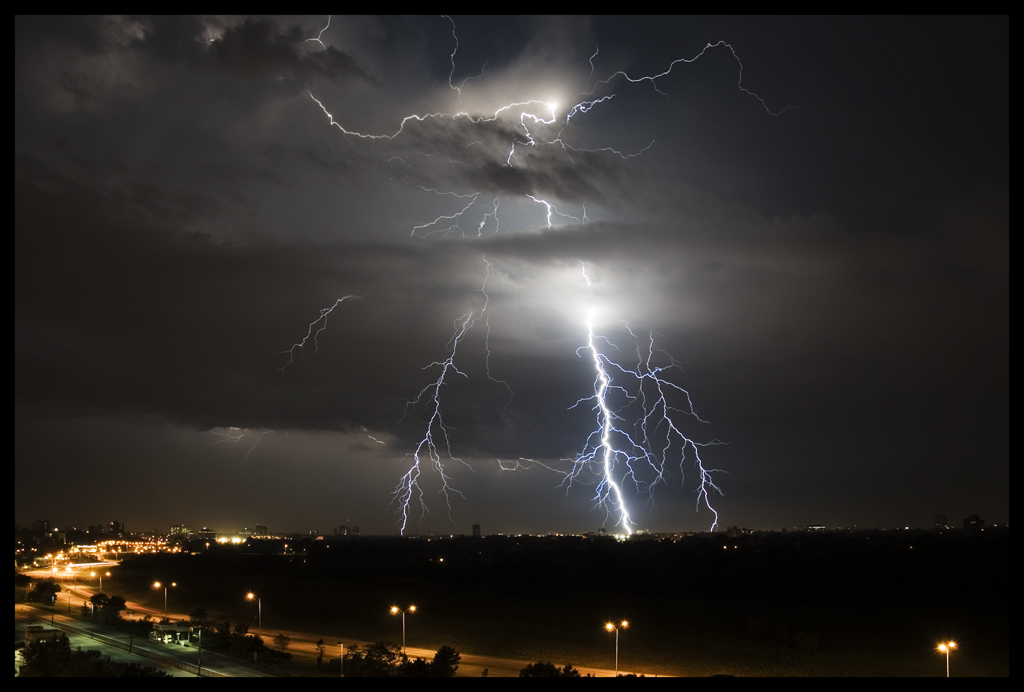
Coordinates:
199 666
946 647
259 607
341 661
395 610
158 585
131 629
612 628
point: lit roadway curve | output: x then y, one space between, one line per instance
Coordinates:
304 644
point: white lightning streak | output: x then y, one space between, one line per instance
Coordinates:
653 79
638 433
238 436
436 440
637 427
312 334
321 34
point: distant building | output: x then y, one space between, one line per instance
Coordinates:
41 525
355 530
476 530
941 521
116 528
206 534
974 525
180 530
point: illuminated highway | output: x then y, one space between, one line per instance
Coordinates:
303 644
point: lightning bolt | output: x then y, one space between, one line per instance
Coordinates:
637 429
434 449
530 124
637 409
321 34
236 436
315 327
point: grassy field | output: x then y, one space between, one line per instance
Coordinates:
671 632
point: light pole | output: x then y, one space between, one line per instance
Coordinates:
612 628
158 585
199 667
341 661
946 647
259 607
395 610
131 630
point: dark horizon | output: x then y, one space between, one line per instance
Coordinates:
809 221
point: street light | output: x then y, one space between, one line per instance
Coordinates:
131 630
158 585
946 647
259 606
101 575
341 661
624 625
395 610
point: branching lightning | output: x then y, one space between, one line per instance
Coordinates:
637 428
315 327
638 409
435 447
236 435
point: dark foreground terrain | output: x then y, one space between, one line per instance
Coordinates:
864 603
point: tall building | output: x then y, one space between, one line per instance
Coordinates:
476 530
974 525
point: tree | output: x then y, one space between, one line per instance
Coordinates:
379 660
54 658
415 668
112 609
44 591
545 669
446 662
281 642
200 620
45 658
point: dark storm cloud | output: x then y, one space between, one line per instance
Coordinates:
258 47
835 279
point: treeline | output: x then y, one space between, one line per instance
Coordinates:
55 659
234 641
386 660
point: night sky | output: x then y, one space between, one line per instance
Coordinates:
816 237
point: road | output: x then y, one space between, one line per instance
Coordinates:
302 643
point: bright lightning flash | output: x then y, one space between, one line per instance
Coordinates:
638 433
